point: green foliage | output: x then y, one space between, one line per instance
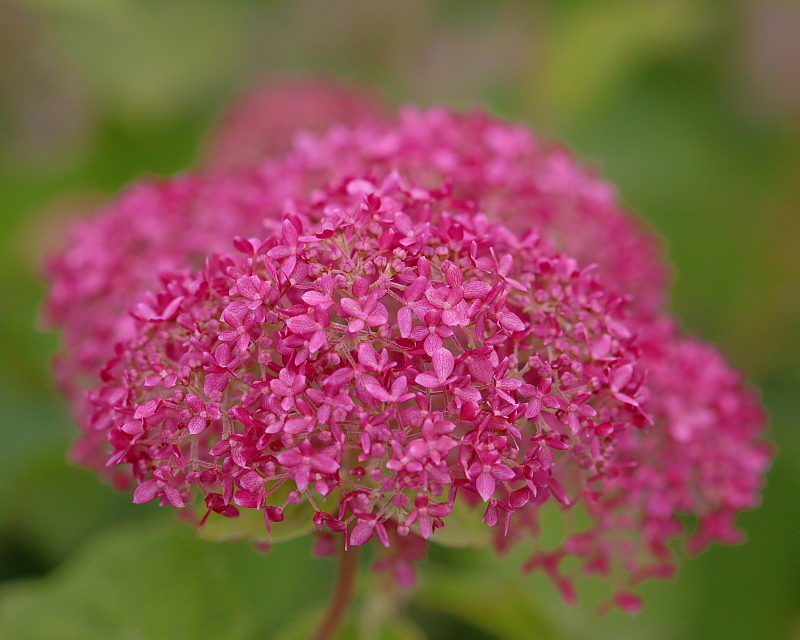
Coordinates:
250 526
395 628
465 527
157 580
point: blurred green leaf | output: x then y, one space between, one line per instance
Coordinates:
501 607
596 46
250 526
465 527
395 628
158 581
56 505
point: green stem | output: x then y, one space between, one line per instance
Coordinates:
342 596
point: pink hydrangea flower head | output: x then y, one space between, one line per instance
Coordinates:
159 226
388 366
392 326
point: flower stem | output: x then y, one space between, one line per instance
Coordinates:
342 596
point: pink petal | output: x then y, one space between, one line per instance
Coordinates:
247 499
551 402
557 489
377 391
621 377
415 289
173 496
432 344
153 381
404 320
361 534
301 477
511 322
324 464
601 347
354 326
533 409
290 234
443 363
147 409
279 252
585 410
455 277
622 397
197 425
424 523
247 287
573 422
318 340
509 384
302 324
428 381
146 491
481 370
485 485
470 394
451 317
350 307
289 265
314 298
399 385
476 289
290 458
195 403
502 472
378 316
367 355
172 307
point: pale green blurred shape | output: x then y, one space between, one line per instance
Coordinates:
158 581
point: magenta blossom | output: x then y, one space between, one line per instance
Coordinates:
394 322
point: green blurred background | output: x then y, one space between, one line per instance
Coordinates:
692 107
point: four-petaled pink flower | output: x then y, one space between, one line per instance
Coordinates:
487 471
303 460
450 299
242 321
574 409
540 397
201 414
254 289
159 485
432 332
289 249
397 394
425 514
366 311
163 376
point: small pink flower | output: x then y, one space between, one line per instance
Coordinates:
201 414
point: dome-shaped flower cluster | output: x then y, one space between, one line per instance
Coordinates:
393 322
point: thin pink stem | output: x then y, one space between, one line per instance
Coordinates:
342 596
